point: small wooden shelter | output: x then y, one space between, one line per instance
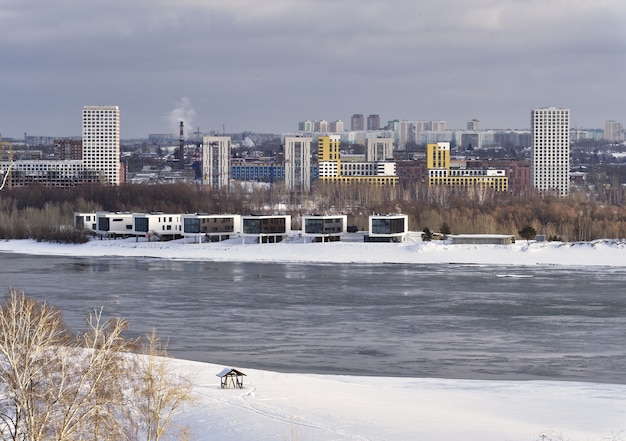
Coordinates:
231 377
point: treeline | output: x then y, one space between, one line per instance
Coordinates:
46 213
58 386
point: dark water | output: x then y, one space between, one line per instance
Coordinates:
452 321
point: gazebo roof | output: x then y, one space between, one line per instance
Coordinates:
229 371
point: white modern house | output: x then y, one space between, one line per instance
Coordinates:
158 225
324 228
114 224
85 221
214 227
388 228
266 229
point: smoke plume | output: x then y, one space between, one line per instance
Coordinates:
183 112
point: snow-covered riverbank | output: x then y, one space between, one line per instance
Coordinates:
281 406
600 252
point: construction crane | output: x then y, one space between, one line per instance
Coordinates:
7 175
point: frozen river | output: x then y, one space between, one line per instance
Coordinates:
455 321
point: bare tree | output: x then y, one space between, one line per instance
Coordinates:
96 374
57 387
29 333
164 393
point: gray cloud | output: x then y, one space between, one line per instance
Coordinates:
263 66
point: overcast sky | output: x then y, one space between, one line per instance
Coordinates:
264 65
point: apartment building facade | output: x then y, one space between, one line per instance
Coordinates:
216 161
101 142
550 150
298 163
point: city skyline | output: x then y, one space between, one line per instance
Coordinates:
232 66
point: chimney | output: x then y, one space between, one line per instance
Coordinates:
181 148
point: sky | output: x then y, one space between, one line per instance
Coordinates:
245 65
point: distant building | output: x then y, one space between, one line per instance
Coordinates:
328 148
379 149
613 131
411 172
550 150
473 125
101 142
438 126
215 161
518 173
373 122
71 149
513 138
306 126
357 122
422 126
336 126
38 140
298 163
432 137
471 140
95 159
331 167
440 171
405 133
261 170
321 126
46 173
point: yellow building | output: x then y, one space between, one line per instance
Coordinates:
441 173
328 148
332 169
374 180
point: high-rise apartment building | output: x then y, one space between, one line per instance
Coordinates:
216 161
336 126
613 131
101 142
321 126
357 122
298 163
306 126
328 148
422 126
405 133
373 122
473 125
550 148
438 126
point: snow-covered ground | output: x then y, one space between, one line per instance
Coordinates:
353 249
306 407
